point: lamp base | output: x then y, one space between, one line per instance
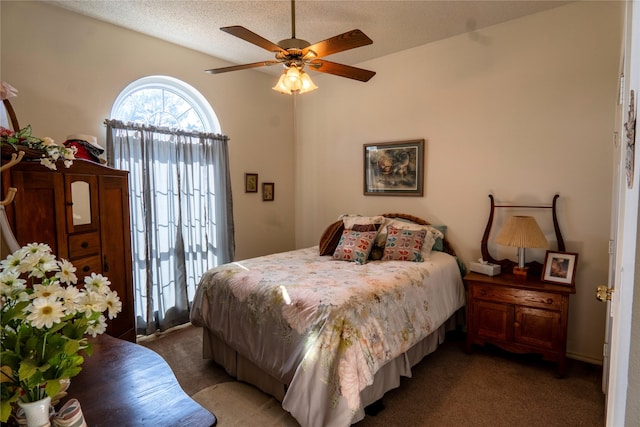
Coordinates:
520 272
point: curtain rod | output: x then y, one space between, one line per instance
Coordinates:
119 124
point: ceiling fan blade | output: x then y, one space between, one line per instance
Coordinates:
251 37
349 40
241 67
341 70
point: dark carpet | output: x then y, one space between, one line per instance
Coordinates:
489 387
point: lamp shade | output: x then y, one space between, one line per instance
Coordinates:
307 83
294 80
522 232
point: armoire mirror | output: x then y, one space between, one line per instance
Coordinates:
82 203
81 208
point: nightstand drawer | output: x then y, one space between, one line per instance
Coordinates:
516 296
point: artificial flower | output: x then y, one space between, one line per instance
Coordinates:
96 282
7 91
51 151
114 305
46 321
67 273
44 312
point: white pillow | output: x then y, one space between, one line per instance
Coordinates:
429 241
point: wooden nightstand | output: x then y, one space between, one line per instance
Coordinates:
518 316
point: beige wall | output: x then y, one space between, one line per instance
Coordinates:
522 110
69 70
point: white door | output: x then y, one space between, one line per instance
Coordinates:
627 234
618 183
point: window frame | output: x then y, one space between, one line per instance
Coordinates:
188 93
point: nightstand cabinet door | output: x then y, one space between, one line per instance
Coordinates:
519 316
493 320
537 328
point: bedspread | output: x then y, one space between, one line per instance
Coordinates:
323 326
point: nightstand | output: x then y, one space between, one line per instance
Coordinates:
527 316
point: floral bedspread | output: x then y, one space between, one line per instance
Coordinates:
325 326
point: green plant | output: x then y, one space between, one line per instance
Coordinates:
51 151
46 321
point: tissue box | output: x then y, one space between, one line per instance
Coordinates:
488 269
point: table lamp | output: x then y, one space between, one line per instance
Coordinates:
521 232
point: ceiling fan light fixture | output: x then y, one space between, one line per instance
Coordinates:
295 53
307 83
280 86
294 80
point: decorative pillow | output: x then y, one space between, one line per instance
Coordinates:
404 245
330 238
351 220
431 237
439 244
398 223
355 246
429 240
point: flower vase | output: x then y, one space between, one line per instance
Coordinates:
37 413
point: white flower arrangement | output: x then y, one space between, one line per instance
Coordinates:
46 321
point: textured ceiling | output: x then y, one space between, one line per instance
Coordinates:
393 25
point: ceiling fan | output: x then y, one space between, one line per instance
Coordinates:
295 54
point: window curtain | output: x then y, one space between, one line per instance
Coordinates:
181 215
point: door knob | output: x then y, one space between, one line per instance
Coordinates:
603 293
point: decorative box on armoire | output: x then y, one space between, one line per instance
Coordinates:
82 212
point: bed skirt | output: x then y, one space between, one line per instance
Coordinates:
387 378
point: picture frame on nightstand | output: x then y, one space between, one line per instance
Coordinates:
560 268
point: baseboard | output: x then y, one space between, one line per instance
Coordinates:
583 358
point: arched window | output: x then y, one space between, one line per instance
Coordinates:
166 102
165 133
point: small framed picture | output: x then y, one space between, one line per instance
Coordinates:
268 191
560 268
250 182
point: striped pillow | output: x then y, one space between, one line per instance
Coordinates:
330 238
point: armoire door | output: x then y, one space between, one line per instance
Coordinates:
37 216
116 250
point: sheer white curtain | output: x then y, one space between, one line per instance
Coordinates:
181 215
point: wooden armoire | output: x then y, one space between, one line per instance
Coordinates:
82 212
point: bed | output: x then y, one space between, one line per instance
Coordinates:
328 337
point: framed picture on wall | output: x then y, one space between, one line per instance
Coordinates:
394 168
560 268
250 182
268 191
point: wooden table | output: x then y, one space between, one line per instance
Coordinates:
126 384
